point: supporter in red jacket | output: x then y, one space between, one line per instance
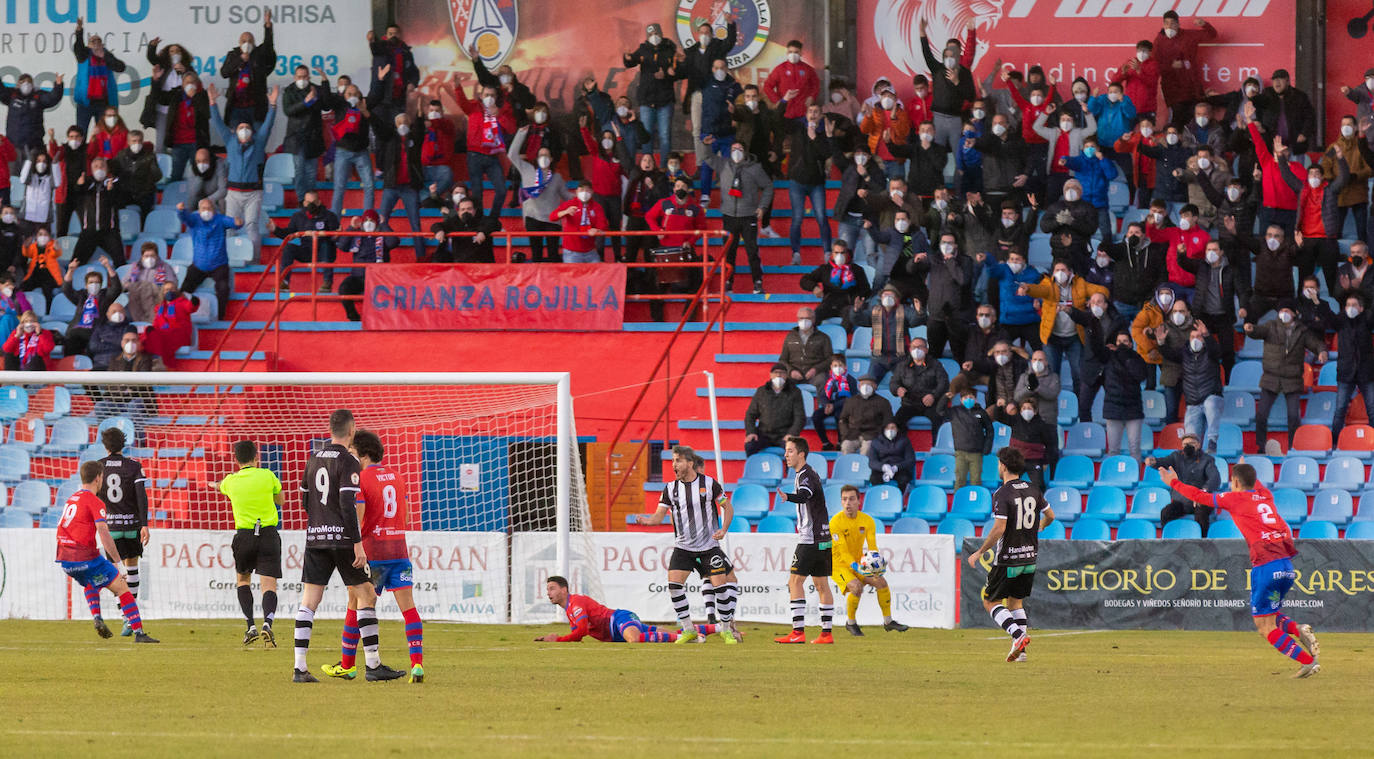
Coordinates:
1280 202
675 213
436 150
1139 78
491 121
793 83
171 327
584 215
1179 70
607 161
29 347
109 137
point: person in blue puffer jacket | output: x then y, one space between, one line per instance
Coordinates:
1095 172
1018 315
1115 115
209 255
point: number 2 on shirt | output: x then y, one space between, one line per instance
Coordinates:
1266 513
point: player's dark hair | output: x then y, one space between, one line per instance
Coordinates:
698 462
91 470
848 489
1244 474
367 443
800 443
558 580
1012 459
683 452
339 422
245 451
113 439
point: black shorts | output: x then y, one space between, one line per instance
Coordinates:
810 560
1001 586
320 563
259 553
129 548
708 563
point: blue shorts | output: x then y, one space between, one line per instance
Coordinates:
95 573
622 620
392 574
1269 583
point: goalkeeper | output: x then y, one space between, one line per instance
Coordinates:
851 531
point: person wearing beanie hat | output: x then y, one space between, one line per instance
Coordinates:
775 413
656 58
891 317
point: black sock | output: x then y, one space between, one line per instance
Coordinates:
246 602
269 607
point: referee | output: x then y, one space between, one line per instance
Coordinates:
255 494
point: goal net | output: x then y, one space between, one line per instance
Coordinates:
485 457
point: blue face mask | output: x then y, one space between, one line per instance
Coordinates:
968 402
1089 151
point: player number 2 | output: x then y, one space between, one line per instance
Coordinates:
1025 513
389 501
1266 513
322 484
114 489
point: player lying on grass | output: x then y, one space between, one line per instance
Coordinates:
590 619
83 521
382 514
851 530
1271 557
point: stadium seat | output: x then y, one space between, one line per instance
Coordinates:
1299 472
1073 472
48 520
764 469
1238 408
92 453
1148 502
1085 439
817 462
1182 529
164 165
1360 531
1223 529
1055 531
750 501
858 365
1091 529
776 523
1169 439
916 526
65 490
739 524
183 250
883 502
279 168
1291 504
927 502
972 502
1326 376
1066 502
69 436
937 470
944 440
273 196
163 223
1245 376
1343 472
1356 440
851 469
30 434
1119 471
832 497
173 193
1106 503
1138 529
125 425
1230 441
1068 408
130 223
1320 409
860 343
240 251
1153 400
991 479
838 339
1264 469
1318 530
1311 440
1001 437
959 527
15 519
1252 350
32 496
1333 505
14 402
14 463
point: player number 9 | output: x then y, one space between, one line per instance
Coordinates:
113 490
322 484
389 501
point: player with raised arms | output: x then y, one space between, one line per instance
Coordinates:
590 619
255 496
812 555
853 567
124 490
382 513
333 541
82 523
1019 512
1271 558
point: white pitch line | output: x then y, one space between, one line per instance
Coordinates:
1038 636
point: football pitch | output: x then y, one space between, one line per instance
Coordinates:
492 691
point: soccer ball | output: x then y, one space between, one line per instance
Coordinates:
872 564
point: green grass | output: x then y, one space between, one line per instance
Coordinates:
491 691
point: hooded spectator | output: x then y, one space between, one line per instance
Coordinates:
891 459
42 271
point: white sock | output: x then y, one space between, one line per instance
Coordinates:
305 626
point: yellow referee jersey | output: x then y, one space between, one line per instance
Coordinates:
850 535
252 494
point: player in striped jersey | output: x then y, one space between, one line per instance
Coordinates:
692 500
812 557
123 488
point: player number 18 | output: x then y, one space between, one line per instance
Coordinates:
1025 513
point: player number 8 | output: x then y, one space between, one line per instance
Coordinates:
322 484
113 490
389 501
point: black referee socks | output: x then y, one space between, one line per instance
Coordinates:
246 602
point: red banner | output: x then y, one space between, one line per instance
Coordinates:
1072 38
549 297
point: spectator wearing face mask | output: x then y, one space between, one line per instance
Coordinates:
971 426
583 215
926 161
171 66
209 257
1060 294
353 119
842 101
246 69
1102 271
144 283
29 347
1019 317
863 417
171 327
806 351
92 303
986 333
1094 172
793 83
1312 311
1201 382
1005 364
716 126
70 159
1139 79
106 338
1274 257
1318 223
1038 102
811 146
884 123
109 137
1004 162
1362 95
94 89
1202 130
678 212
1170 159
41 182
543 190
1040 384
774 414
403 179
1063 143
366 246
312 216
1279 200
949 277
26 104
1200 471
746 194
901 247
1214 297
860 182
101 196
1233 203
890 319
1035 436
393 52
1180 70
921 383
1070 222
710 44
607 159
891 459
137 168
1173 334
183 120
131 358
839 284
464 237
1101 324
952 86
1123 407
656 59
1000 99
208 179
1140 173
42 271
646 188
436 152
1204 171
1353 198
1186 238
838 389
245 150
13 302
630 129
303 103
11 239
759 127
1286 112
490 122
1355 362
1355 275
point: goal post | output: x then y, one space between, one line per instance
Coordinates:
485 455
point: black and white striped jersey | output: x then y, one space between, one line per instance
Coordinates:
693 508
813 518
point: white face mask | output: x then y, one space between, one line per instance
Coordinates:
1252 91
149 262
7 218
1165 299
302 84
1347 130
1066 125
135 147
1016 267
607 143
985 321
202 167
1272 243
719 74
30 327
1157 218
1008 223
889 301
890 434
1081 97
794 58
190 89
1204 163
540 117
1037 99
544 162
866 390
837 371
506 79
838 259
752 105
1286 316
918 354
130 348
1170 33
950 61
1178 318
1309 293
654 39
98 174
1027 414
1233 194
73 144
737 156
1002 359
6 291
434 115
999 129
947 248
926 137
887 103
403 130
584 196
353 102
1147 132
1114 97
116 317
1185 223
1171 138
25 88
1098 311
804 325
1314 182
1201 121
1072 195
703 39
111 121
1038 366
978 114
245 135
1195 344
1213 256
941 203
1102 262
41 241
861 159
896 195
369 226
92 288
1350 311
1061 276
246 47
778 382
622 111
1142 55
488 101
207 215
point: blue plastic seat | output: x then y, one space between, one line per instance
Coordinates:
14 402
163 223
65 491
1055 531
944 440
1001 437
851 469
1066 502
1264 469
739 524
1223 529
16 519
1106 503
1073 472
1245 377
883 502
832 497
1321 409
937 470
1138 529
1182 529
183 250
1344 472
927 502
1230 441
240 250
29 434
129 223
273 196
1299 472
1085 439
48 520
1089 528
1326 376
1068 408
750 501
1291 504
916 526
279 168
1333 505
1360 531
860 343
1153 401
1238 408
817 461
972 502
32 496
1148 502
69 436
959 527
14 463
1319 530
858 365
1119 471
991 480
776 523
764 469
175 192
